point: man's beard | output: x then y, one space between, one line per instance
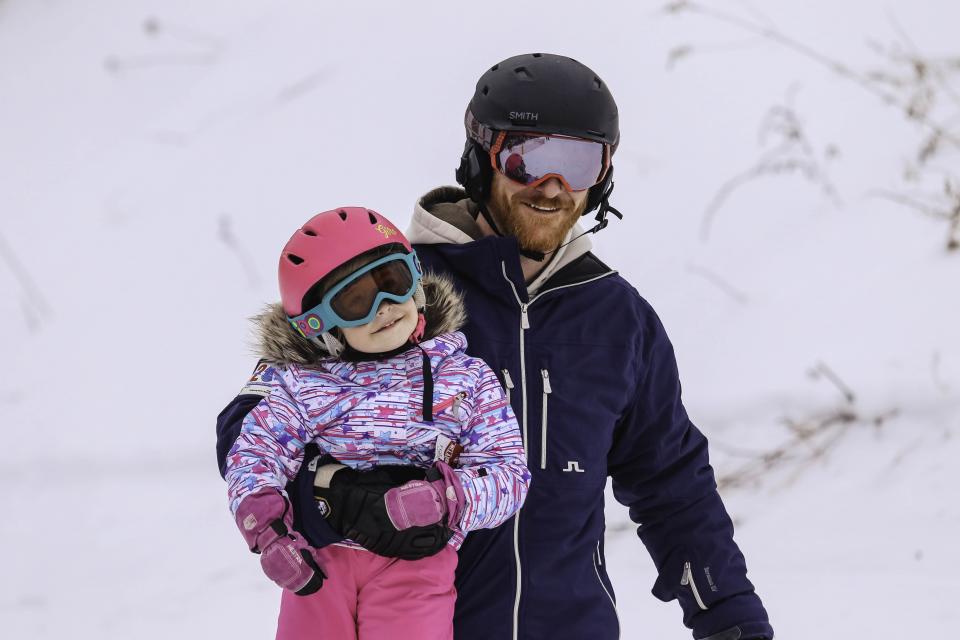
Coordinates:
540 232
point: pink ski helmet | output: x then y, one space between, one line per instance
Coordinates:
325 242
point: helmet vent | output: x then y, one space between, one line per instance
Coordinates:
373 218
342 214
494 67
537 55
310 232
598 83
485 90
295 259
523 73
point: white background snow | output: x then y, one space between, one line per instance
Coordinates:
154 156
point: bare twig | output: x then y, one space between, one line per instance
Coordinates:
793 154
836 66
923 65
681 52
228 238
302 86
823 370
812 439
33 302
735 294
918 86
947 207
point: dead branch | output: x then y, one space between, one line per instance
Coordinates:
793 154
33 303
823 370
735 294
910 107
228 238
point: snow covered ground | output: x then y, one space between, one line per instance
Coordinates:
154 156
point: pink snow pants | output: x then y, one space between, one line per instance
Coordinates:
369 597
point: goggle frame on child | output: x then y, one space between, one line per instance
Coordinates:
579 164
323 317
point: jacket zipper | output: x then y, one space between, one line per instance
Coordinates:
596 568
543 436
524 325
453 401
687 580
507 383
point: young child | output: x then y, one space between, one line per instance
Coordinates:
360 365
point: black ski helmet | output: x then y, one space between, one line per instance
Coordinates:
536 92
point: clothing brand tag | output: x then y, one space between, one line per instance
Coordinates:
447 450
261 382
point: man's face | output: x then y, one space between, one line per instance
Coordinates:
540 216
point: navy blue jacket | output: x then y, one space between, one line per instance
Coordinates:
593 381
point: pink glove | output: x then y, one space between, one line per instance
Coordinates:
421 503
266 521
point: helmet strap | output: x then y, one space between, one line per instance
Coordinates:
333 346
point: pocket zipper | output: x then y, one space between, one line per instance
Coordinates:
543 436
507 383
453 401
597 563
687 580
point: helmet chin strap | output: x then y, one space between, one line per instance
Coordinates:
601 219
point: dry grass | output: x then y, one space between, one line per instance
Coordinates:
920 87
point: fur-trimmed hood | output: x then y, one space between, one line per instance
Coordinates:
278 341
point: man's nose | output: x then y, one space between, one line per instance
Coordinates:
551 187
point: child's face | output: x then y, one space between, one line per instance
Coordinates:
389 329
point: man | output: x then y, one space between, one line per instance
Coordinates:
587 366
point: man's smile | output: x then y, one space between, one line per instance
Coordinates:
542 208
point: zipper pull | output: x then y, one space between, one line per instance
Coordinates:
687 580
456 404
546 381
507 380
524 318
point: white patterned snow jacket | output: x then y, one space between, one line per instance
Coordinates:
370 413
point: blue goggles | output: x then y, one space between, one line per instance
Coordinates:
354 300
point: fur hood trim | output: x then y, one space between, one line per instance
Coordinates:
278 341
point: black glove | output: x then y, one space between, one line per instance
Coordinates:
734 633
354 507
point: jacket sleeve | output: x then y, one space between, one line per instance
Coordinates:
661 471
492 469
268 450
231 418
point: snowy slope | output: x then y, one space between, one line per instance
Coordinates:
156 155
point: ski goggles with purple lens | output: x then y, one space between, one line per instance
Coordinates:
354 300
532 159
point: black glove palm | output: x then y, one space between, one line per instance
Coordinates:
355 508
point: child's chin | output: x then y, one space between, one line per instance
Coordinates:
389 340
